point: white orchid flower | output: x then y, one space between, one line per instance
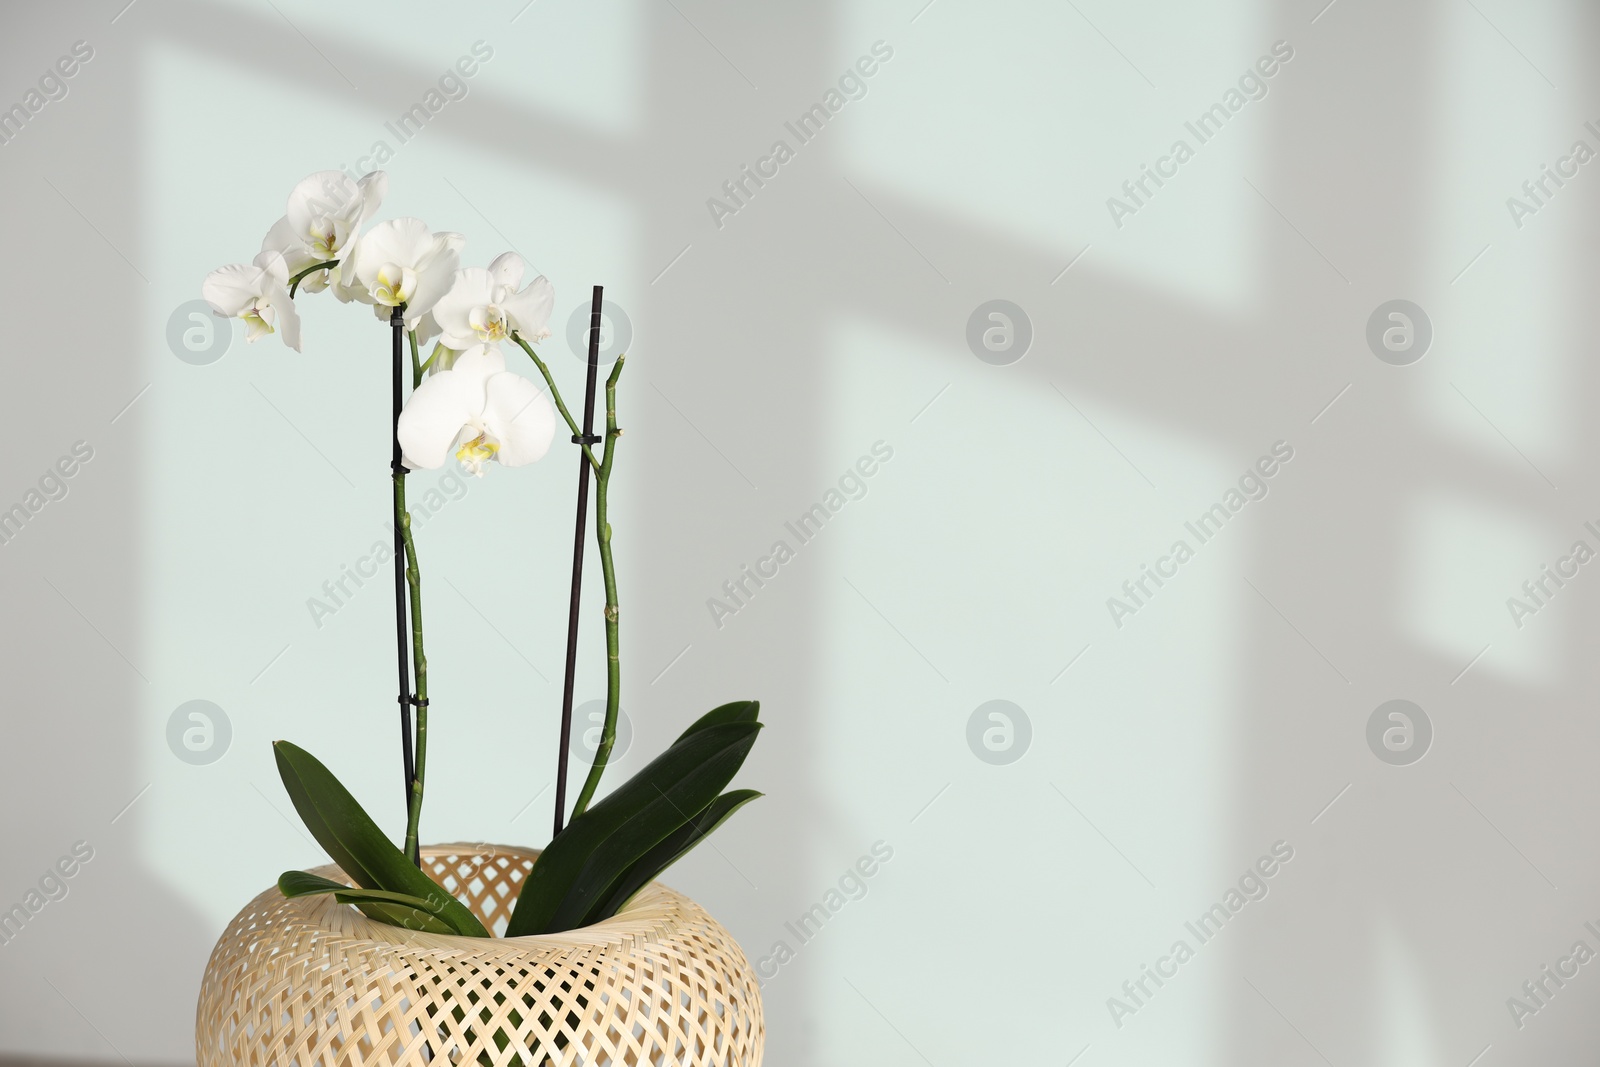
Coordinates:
484 306
441 358
480 411
426 328
322 222
401 262
255 292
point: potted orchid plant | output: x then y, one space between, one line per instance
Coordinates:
587 935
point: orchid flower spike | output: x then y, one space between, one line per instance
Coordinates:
401 262
479 410
485 306
257 293
322 222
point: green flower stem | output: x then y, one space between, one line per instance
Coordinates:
294 283
419 666
419 659
602 533
555 394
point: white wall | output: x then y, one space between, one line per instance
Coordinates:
1173 345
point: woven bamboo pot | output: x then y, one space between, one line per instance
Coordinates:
313 983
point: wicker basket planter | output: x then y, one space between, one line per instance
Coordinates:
313 983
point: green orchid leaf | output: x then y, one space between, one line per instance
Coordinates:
672 848
738 711
353 840
655 822
397 909
573 873
303 883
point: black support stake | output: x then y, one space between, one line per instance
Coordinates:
588 437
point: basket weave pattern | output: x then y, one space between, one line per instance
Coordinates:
313 983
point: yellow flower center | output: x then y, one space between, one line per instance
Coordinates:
258 321
489 323
475 453
395 285
324 237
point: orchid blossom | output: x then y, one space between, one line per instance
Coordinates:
479 410
401 262
474 409
255 292
485 307
323 219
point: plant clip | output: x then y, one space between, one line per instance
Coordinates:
586 438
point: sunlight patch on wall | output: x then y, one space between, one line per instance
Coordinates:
1132 741
1500 363
1042 195
375 49
564 82
1461 561
1401 1003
